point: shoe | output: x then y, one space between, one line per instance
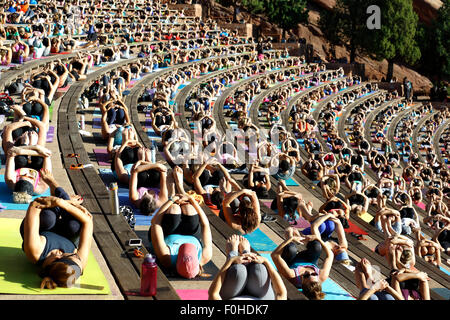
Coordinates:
268 218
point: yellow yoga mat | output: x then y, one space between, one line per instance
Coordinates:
366 217
19 276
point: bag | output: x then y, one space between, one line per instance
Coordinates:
128 214
5 98
93 91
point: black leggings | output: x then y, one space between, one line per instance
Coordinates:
58 220
162 120
311 254
36 162
128 155
115 116
149 179
444 240
180 224
20 131
33 109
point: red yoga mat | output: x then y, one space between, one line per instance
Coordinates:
355 229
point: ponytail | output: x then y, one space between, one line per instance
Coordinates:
48 283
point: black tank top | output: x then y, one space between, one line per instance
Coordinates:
55 241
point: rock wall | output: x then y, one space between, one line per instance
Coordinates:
243 29
191 10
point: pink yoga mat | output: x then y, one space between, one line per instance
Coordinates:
421 205
102 157
301 224
193 294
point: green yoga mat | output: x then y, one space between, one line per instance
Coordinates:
19 276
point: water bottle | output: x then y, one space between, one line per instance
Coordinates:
148 276
153 152
114 198
82 123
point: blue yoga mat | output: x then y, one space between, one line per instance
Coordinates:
152 134
444 270
124 200
290 182
260 241
443 292
96 123
333 291
268 257
6 197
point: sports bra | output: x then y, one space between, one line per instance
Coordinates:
299 266
23 171
144 190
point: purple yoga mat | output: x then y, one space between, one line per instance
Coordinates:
97 123
50 134
103 158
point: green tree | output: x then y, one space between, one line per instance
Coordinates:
439 42
287 14
396 40
253 6
346 25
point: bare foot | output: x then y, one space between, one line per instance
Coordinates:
233 243
366 267
244 245
77 199
288 233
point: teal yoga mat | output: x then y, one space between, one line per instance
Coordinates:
260 241
6 197
333 291
291 183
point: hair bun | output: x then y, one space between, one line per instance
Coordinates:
48 283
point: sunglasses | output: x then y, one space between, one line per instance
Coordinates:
307 275
80 166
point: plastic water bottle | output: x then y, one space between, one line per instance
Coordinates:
114 198
82 123
153 152
148 276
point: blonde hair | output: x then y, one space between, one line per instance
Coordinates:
313 290
21 197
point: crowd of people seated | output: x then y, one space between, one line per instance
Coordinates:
180 175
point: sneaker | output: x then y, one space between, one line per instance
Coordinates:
268 218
